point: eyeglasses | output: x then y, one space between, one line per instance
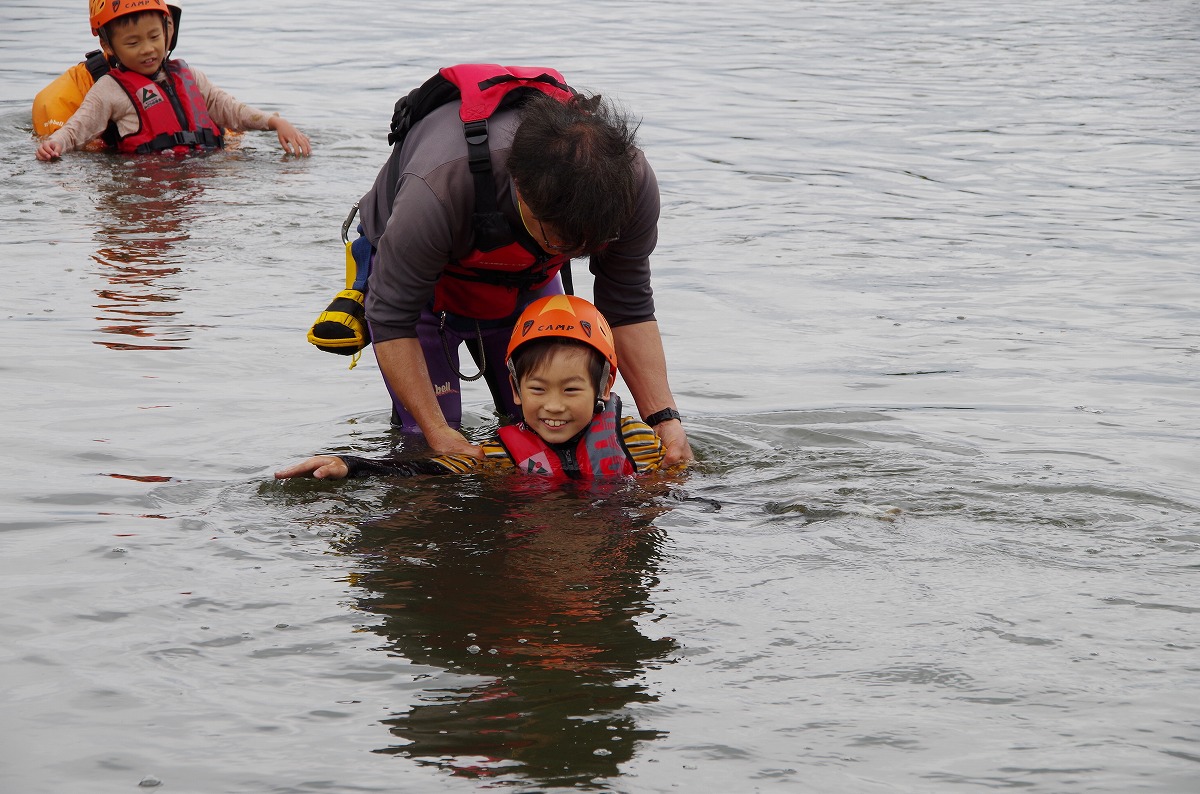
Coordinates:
549 247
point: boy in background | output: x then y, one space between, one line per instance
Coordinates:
147 103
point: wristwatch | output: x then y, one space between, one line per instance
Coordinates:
658 417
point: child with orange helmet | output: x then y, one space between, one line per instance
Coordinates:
563 365
149 103
59 100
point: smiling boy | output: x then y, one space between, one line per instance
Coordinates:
563 364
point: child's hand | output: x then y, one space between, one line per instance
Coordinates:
323 467
291 139
48 150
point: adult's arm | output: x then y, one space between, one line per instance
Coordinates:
644 368
403 365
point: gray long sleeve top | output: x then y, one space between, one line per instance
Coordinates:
429 224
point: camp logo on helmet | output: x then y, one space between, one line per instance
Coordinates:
149 97
586 326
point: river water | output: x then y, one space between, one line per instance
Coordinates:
929 289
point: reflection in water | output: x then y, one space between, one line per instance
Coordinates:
145 208
524 597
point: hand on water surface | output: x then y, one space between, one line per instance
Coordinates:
675 443
291 139
48 150
323 467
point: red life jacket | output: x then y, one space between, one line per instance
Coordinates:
600 451
486 283
170 116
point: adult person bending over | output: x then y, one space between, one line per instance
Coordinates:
569 182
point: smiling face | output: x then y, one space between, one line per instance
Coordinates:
558 396
140 44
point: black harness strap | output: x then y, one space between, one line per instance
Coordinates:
96 63
205 138
491 227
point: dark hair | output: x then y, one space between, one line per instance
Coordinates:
573 163
125 20
532 355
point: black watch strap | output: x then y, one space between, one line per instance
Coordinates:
658 417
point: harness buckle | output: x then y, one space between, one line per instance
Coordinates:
478 156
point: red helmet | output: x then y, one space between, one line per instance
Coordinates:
101 12
564 317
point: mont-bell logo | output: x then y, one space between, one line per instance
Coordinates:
149 97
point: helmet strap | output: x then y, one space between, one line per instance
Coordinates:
605 385
512 373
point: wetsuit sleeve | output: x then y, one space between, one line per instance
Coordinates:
643 444
105 102
622 290
495 459
393 467
226 111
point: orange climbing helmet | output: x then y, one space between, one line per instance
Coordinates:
101 12
565 317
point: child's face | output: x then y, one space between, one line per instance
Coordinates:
558 399
139 45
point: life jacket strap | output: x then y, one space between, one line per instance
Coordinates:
205 138
521 279
96 62
491 227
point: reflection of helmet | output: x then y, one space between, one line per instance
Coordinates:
101 12
565 317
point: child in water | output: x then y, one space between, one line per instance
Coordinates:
563 365
148 103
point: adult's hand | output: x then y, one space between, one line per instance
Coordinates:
676 448
403 365
448 441
644 368
323 467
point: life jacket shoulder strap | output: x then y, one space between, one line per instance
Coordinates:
483 88
97 64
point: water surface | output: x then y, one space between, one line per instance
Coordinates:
928 288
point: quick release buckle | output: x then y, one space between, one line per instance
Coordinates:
478 156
